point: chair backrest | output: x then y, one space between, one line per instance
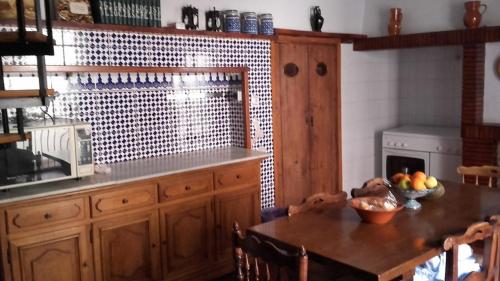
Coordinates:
490 172
318 201
262 260
487 231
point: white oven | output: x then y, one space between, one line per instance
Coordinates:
437 151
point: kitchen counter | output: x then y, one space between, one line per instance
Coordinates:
129 171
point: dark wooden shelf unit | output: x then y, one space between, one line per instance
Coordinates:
15 94
36 43
430 39
10 138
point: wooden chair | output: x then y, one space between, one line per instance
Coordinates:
487 231
490 172
318 201
261 260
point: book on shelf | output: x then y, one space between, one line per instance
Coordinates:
127 12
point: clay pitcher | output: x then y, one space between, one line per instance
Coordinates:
473 14
395 18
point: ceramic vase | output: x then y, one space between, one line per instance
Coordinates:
395 18
473 13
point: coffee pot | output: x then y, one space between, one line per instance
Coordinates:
213 20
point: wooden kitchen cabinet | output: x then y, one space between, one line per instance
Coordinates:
127 247
174 228
62 255
187 237
306 96
242 206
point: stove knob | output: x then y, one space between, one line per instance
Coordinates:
405 144
439 148
391 143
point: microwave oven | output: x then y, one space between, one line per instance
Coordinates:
52 151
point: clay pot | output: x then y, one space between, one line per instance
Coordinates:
395 18
473 14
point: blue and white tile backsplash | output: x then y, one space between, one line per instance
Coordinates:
140 115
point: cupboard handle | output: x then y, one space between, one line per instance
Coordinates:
321 69
124 200
84 264
188 187
291 69
47 216
238 176
153 245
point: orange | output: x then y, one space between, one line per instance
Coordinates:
420 175
418 184
397 178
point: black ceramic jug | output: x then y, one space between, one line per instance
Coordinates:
316 19
190 17
213 20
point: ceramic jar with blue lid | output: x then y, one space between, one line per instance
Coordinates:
232 21
266 26
249 23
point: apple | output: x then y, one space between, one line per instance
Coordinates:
404 184
431 182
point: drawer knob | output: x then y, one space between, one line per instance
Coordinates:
238 176
188 187
47 216
125 201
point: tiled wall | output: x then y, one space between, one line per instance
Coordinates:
385 89
146 116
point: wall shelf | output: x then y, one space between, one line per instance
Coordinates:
430 39
123 69
344 37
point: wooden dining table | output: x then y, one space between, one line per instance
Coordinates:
337 238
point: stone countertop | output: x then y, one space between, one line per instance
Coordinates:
129 171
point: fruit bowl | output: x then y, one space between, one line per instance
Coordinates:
412 195
375 216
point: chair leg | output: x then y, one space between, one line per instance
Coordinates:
451 271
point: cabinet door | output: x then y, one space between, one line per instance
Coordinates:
63 255
242 206
187 237
295 118
127 248
325 122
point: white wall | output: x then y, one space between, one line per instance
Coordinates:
423 15
430 86
491 84
370 99
340 15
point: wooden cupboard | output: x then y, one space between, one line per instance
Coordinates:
62 255
175 227
307 131
127 247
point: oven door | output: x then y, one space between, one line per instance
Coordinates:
395 160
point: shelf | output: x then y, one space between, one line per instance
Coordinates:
11 138
483 132
344 37
124 69
128 28
15 94
430 39
36 43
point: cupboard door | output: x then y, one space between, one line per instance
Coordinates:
242 206
295 118
63 255
187 237
127 248
325 122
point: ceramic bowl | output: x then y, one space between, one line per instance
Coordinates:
375 216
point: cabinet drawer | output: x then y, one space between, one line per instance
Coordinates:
237 175
185 185
46 214
127 197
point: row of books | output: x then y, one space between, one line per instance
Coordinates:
127 12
